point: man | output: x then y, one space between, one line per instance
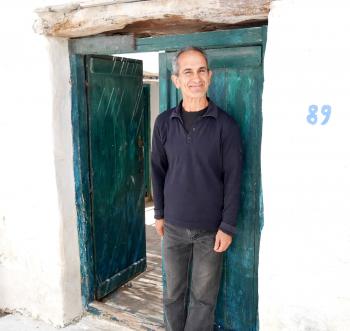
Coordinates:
196 169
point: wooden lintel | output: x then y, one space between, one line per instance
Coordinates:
102 45
147 17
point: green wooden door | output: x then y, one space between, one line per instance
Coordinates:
236 87
146 94
115 117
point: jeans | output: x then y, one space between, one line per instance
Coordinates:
191 265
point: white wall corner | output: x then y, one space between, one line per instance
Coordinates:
304 261
63 153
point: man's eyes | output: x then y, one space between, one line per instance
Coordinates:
187 73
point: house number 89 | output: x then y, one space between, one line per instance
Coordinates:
325 111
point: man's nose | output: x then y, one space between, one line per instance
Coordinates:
196 76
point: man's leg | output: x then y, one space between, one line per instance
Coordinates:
205 284
177 257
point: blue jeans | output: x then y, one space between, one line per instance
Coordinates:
190 264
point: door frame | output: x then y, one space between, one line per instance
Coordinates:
147 136
109 45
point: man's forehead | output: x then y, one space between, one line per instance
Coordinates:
192 58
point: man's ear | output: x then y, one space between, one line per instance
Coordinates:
210 75
175 80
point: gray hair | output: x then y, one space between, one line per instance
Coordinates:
175 60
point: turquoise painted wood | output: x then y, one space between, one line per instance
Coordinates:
212 39
102 45
115 117
146 95
81 176
237 88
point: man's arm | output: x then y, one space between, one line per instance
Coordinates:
232 169
159 165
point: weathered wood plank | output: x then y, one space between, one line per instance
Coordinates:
240 37
102 45
123 317
116 166
81 175
146 18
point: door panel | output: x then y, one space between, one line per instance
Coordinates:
146 95
236 87
115 115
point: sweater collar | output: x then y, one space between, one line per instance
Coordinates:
211 111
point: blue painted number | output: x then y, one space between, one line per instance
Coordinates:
312 117
325 111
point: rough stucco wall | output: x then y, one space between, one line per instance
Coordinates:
39 261
63 156
304 267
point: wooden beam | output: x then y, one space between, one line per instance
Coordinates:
213 39
147 17
102 45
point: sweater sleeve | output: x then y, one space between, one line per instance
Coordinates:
159 167
232 168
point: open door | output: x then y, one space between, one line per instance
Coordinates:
147 137
115 130
236 87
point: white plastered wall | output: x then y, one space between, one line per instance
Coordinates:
304 266
39 256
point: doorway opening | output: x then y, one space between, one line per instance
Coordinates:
236 59
142 296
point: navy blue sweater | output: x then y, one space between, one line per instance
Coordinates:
196 174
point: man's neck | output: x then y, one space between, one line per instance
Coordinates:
190 104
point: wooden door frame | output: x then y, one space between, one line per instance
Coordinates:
108 45
147 137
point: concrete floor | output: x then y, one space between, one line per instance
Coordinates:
138 304
16 322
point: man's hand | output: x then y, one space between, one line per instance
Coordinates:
160 226
222 241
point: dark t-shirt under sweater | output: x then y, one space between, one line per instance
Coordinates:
189 117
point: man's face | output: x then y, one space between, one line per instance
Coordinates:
194 77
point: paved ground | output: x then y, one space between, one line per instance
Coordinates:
142 297
17 322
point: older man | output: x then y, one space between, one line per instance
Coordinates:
196 170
